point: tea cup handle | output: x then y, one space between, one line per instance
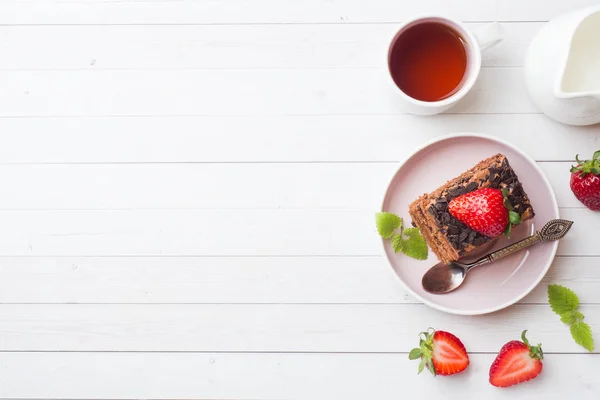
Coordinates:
489 36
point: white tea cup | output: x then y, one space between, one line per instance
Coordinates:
474 44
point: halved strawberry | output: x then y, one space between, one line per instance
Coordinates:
517 362
486 211
441 352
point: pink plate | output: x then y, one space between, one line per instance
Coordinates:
487 288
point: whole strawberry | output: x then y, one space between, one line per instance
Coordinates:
486 211
441 352
516 362
585 182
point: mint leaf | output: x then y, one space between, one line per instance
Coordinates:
562 299
397 242
571 317
414 245
387 223
582 334
409 241
564 302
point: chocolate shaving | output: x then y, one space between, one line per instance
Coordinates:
471 187
471 237
440 205
455 230
457 191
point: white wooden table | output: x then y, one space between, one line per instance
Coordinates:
187 197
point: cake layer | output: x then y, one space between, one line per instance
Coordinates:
449 238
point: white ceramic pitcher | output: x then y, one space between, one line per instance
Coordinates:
562 68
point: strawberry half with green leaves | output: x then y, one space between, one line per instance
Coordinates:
585 181
517 362
440 352
486 211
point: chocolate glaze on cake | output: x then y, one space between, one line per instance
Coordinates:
449 238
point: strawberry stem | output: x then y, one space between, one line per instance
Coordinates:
534 351
514 218
424 351
506 202
587 166
524 337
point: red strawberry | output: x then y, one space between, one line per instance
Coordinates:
441 352
486 211
517 362
585 182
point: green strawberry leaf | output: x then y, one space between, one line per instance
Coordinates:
588 166
421 366
508 230
387 223
582 334
431 368
514 218
414 245
397 242
562 299
414 354
505 200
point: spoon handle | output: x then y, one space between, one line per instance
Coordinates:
506 251
513 248
554 230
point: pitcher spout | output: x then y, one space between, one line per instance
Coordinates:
560 94
580 76
561 67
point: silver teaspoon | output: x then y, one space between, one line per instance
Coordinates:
444 278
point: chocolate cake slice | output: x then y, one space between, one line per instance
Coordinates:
449 238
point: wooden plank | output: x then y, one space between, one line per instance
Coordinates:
280 280
144 47
230 11
199 186
277 186
251 376
280 138
559 175
533 10
236 92
270 327
218 232
271 11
